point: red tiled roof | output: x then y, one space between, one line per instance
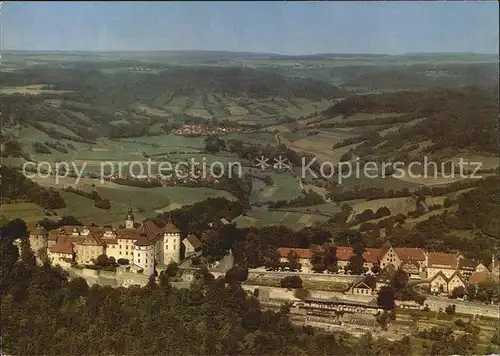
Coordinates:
410 262
443 259
144 241
479 277
62 246
439 274
127 234
194 241
371 254
170 228
300 252
405 254
149 228
90 239
344 253
69 229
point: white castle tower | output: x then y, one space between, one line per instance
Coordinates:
171 243
144 254
129 220
39 242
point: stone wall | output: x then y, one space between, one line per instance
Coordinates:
288 294
108 278
317 277
462 307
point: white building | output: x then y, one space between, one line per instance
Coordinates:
442 283
191 244
61 252
446 263
171 243
144 255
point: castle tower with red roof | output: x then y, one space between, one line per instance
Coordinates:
171 243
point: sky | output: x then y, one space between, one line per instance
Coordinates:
266 27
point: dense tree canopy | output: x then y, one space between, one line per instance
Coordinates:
455 118
16 186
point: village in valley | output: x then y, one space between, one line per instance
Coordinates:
201 130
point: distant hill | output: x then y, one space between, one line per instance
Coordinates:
459 119
91 82
87 100
424 75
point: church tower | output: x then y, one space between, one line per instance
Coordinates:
129 221
171 243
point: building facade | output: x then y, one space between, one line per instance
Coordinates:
171 243
144 247
446 263
191 245
144 255
442 284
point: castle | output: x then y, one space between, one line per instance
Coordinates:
144 247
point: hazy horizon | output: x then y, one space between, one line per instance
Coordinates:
243 52
284 28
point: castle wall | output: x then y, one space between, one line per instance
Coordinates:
288 294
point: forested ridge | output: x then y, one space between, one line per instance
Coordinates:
14 185
120 89
477 213
459 118
421 76
91 99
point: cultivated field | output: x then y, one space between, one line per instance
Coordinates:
292 220
487 162
34 89
31 213
320 146
148 200
364 182
285 187
430 180
396 205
